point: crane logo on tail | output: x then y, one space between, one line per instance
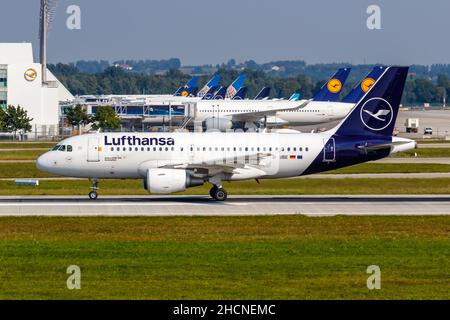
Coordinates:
334 85
377 114
367 83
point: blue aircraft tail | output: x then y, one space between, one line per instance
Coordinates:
241 94
331 90
188 89
220 94
375 114
211 93
211 84
361 88
295 97
235 86
263 94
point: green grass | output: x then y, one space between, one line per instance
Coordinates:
282 257
432 141
425 153
29 170
21 155
266 187
394 168
27 145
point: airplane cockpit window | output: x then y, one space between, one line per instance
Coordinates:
56 147
62 148
69 148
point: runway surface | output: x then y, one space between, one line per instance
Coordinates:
235 205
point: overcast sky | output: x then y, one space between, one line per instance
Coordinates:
210 31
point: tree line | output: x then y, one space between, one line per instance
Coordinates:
115 80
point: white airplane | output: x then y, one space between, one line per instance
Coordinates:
172 162
322 108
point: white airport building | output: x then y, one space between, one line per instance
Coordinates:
21 84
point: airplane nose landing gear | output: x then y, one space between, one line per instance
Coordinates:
94 187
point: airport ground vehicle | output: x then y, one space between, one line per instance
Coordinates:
171 162
428 131
412 125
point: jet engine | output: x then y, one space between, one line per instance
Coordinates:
221 124
165 181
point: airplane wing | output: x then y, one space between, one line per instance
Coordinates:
256 116
231 165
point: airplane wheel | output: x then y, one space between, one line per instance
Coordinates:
220 194
212 192
93 195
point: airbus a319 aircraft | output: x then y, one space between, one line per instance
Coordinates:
171 162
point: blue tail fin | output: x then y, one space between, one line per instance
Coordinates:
375 114
331 90
211 84
189 88
263 94
235 86
220 94
295 96
361 88
241 94
211 93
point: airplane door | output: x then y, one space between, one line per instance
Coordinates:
93 150
329 150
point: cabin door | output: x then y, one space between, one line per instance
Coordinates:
93 150
329 150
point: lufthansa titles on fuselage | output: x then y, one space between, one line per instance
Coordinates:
138 141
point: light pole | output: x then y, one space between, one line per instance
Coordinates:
46 18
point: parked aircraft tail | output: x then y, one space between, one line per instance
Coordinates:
361 88
331 90
241 94
235 86
211 84
189 88
263 94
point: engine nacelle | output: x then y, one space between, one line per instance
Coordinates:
165 181
221 124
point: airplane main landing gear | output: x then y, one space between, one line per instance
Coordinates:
218 193
94 187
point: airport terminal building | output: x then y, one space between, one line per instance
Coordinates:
21 84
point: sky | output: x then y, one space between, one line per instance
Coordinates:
210 31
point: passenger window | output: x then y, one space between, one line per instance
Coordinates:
306 149
112 148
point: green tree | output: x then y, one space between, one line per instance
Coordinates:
78 117
2 119
106 119
17 121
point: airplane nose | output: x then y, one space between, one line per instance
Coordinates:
43 162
